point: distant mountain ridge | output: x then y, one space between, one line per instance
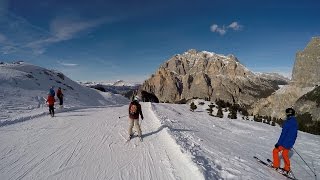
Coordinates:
207 75
109 83
126 89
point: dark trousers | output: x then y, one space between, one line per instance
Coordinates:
51 110
60 101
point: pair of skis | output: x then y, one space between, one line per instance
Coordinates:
131 137
269 164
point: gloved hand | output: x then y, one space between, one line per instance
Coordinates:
142 118
276 145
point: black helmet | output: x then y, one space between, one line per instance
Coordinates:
290 112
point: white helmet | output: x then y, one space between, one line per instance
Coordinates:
136 98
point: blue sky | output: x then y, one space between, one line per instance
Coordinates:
129 40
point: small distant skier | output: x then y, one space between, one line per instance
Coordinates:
60 97
51 91
134 111
286 141
50 101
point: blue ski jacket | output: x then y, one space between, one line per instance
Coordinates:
51 91
289 133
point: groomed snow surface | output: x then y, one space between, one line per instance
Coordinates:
178 144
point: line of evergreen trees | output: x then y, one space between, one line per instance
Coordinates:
305 122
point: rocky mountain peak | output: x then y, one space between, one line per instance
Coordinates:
306 70
305 77
207 75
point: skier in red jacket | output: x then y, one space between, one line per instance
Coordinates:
50 101
60 97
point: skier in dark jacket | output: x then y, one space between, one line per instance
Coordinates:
134 112
286 140
60 97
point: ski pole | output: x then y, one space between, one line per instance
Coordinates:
306 163
123 116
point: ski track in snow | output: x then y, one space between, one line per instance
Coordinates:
90 144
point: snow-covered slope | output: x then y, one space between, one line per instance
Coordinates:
91 144
24 87
178 144
224 148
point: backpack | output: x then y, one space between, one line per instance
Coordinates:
133 109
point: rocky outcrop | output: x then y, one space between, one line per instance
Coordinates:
306 71
310 102
208 75
276 104
305 77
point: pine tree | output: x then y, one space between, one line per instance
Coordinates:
193 106
210 109
220 113
233 111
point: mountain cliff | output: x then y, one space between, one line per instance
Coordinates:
300 92
202 74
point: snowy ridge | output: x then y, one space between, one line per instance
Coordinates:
24 89
116 83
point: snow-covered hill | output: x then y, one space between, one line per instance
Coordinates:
24 87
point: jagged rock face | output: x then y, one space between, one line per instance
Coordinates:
207 75
306 74
276 104
310 102
306 71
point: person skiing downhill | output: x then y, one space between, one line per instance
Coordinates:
51 91
134 111
60 97
286 141
50 101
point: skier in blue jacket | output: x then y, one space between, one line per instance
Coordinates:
51 91
286 140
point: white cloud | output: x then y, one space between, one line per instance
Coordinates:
19 35
235 26
67 64
216 28
223 30
63 30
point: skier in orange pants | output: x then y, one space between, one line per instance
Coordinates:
286 140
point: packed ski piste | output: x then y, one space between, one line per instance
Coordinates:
99 135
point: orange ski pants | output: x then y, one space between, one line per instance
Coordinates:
285 155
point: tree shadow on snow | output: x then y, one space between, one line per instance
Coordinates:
161 128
